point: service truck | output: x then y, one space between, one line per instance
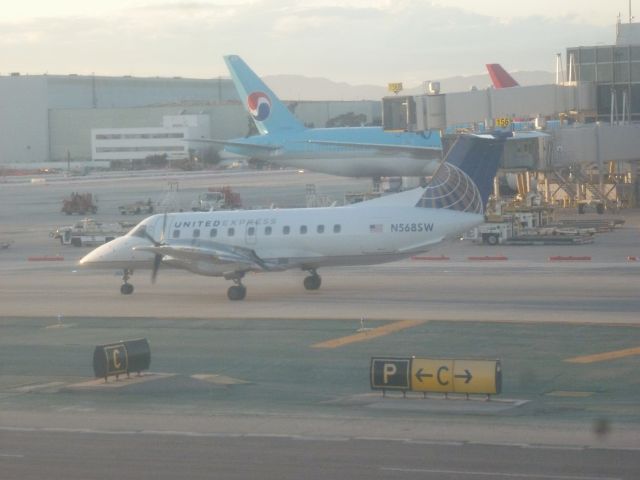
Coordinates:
88 233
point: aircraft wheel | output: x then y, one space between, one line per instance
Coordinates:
126 289
312 282
236 292
493 239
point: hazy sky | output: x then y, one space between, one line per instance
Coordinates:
356 41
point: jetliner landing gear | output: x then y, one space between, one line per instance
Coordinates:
237 291
126 288
313 281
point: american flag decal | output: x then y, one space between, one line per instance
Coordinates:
376 228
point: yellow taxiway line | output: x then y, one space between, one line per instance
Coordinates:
601 357
370 334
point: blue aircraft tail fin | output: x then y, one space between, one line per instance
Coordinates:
267 111
464 180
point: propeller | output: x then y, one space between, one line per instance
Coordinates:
157 259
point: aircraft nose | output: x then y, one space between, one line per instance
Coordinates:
117 253
98 255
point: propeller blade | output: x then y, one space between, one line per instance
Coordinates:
156 266
164 225
150 238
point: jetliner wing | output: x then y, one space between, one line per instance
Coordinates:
231 143
241 258
417 150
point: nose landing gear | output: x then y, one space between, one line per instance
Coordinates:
126 288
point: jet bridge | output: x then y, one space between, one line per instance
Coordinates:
438 111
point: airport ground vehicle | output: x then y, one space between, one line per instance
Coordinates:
88 232
137 208
494 233
81 203
583 205
217 199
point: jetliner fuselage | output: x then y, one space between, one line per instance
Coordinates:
283 239
332 151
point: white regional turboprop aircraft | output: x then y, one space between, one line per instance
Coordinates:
231 243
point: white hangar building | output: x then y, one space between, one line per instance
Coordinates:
50 118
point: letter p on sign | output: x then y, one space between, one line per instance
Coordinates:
389 371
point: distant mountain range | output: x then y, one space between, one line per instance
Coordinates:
298 87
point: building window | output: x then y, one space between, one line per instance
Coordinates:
176 234
604 54
320 229
213 232
267 230
196 233
587 73
635 72
303 229
337 228
621 72
286 229
621 54
231 232
587 55
604 72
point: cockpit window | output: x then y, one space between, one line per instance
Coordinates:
140 231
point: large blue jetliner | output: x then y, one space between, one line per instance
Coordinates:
349 151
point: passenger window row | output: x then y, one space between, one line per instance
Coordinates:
268 230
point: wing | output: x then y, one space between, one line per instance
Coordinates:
215 259
416 150
249 148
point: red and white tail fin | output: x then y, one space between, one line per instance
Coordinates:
500 77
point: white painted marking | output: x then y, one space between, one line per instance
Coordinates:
495 474
39 386
11 455
555 447
499 444
442 443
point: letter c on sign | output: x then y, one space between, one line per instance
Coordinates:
440 380
389 371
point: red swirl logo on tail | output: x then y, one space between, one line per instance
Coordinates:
259 105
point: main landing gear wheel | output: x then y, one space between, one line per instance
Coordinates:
237 292
126 288
312 282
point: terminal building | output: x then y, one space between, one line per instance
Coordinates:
588 123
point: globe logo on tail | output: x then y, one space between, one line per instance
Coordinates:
259 105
